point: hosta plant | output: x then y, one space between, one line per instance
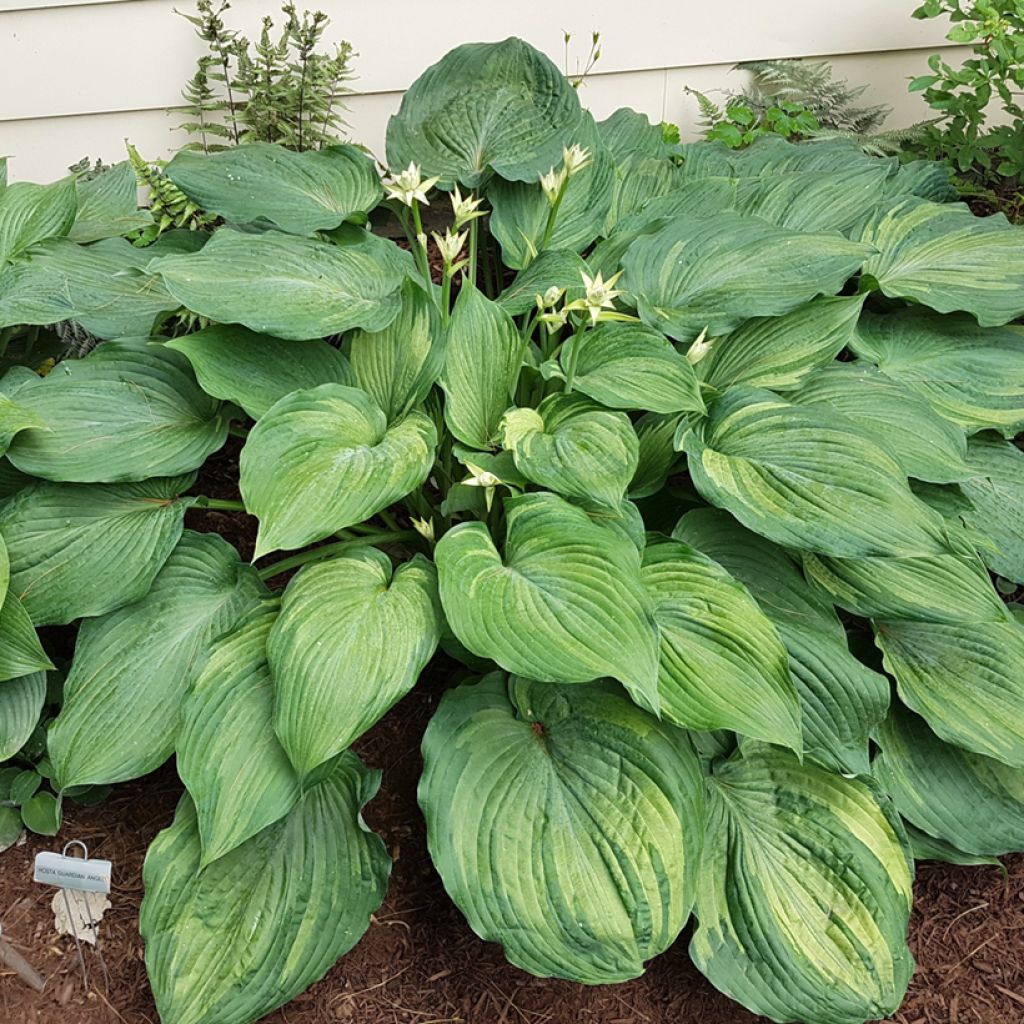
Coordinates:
664 439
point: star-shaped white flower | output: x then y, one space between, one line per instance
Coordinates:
409 187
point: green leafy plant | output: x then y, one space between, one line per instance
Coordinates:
612 469
739 122
278 89
986 84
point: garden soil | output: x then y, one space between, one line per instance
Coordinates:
419 963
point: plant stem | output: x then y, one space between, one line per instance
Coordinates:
549 228
327 550
389 520
421 246
238 431
473 231
224 504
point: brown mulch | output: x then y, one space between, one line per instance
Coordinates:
419 963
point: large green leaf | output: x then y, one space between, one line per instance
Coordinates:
299 193
234 768
715 272
572 446
948 587
255 370
965 678
565 822
841 700
893 415
630 366
553 268
252 930
520 210
970 801
656 455
941 255
129 411
482 363
805 480
324 459
971 375
485 107
996 496
108 205
295 288
80 550
21 703
103 287
352 639
132 667
626 132
399 365
804 894
30 213
564 604
639 179
21 653
777 352
722 665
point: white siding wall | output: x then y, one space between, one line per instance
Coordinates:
77 77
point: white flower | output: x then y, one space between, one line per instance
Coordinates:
481 478
600 294
550 298
450 246
465 209
700 348
408 187
574 159
552 184
424 527
555 319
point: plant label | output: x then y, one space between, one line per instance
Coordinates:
72 872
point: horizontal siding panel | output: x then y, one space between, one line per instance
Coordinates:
136 54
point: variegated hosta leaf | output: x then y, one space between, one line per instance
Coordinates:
232 764
481 368
972 802
103 287
399 365
255 370
965 678
944 257
722 665
929 179
81 550
572 446
777 352
485 107
657 453
948 587
231 943
520 210
108 205
323 459
841 699
804 480
21 703
31 213
996 496
639 179
893 415
804 894
630 366
971 375
565 822
300 193
132 667
129 411
294 288
715 272
926 847
351 640
553 268
564 603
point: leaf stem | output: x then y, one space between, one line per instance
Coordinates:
473 233
224 504
549 228
328 550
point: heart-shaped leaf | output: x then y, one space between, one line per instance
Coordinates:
352 639
108 205
804 894
21 703
573 447
135 665
565 822
30 213
564 604
324 459
234 941
129 411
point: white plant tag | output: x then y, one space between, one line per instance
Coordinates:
72 872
